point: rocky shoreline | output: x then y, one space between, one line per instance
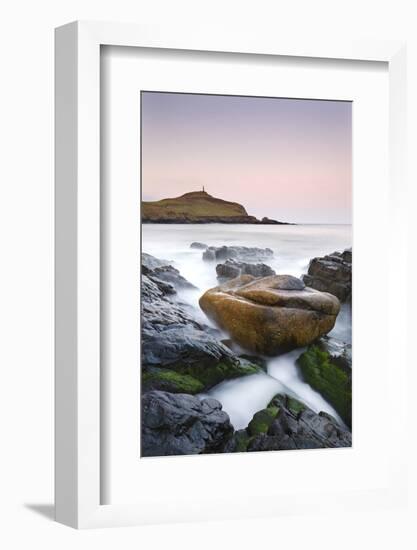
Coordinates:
264 314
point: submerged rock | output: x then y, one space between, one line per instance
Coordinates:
331 376
237 253
198 246
231 269
181 424
332 273
289 424
270 315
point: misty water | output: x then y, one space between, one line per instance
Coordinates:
293 248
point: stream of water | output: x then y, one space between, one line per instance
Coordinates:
293 246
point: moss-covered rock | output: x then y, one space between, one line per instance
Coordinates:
195 378
287 423
329 379
171 381
262 421
295 406
213 375
241 440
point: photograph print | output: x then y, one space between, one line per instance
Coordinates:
246 274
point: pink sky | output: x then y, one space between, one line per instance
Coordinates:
282 158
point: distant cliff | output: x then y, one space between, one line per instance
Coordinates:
199 207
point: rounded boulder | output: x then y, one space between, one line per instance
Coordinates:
271 315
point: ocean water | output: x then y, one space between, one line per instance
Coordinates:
294 246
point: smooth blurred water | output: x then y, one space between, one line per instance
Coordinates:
294 246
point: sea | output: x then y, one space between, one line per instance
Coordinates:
293 246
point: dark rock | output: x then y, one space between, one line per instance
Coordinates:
237 252
238 443
173 339
340 353
171 335
262 420
150 262
332 273
231 269
268 221
172 276
180 424
156 269
252 220
198 246
209 254
289 424
255 360
171 381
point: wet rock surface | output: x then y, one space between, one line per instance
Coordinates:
158 271
289 424
242 253
327 367
332 273
173 339
183 357
180 424
232 268
340 352
270 315
198 246
170 332
171 335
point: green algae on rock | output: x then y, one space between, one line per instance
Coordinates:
287 424
262 420
214 374
332 381
170 381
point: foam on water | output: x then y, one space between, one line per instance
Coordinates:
243 397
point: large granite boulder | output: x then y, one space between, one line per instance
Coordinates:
180 424
232 268
270 315
286 424
332 273
237 252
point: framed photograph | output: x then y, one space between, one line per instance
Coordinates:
225 344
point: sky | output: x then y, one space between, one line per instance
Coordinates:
287 159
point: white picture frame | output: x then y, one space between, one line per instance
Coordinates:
77 409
